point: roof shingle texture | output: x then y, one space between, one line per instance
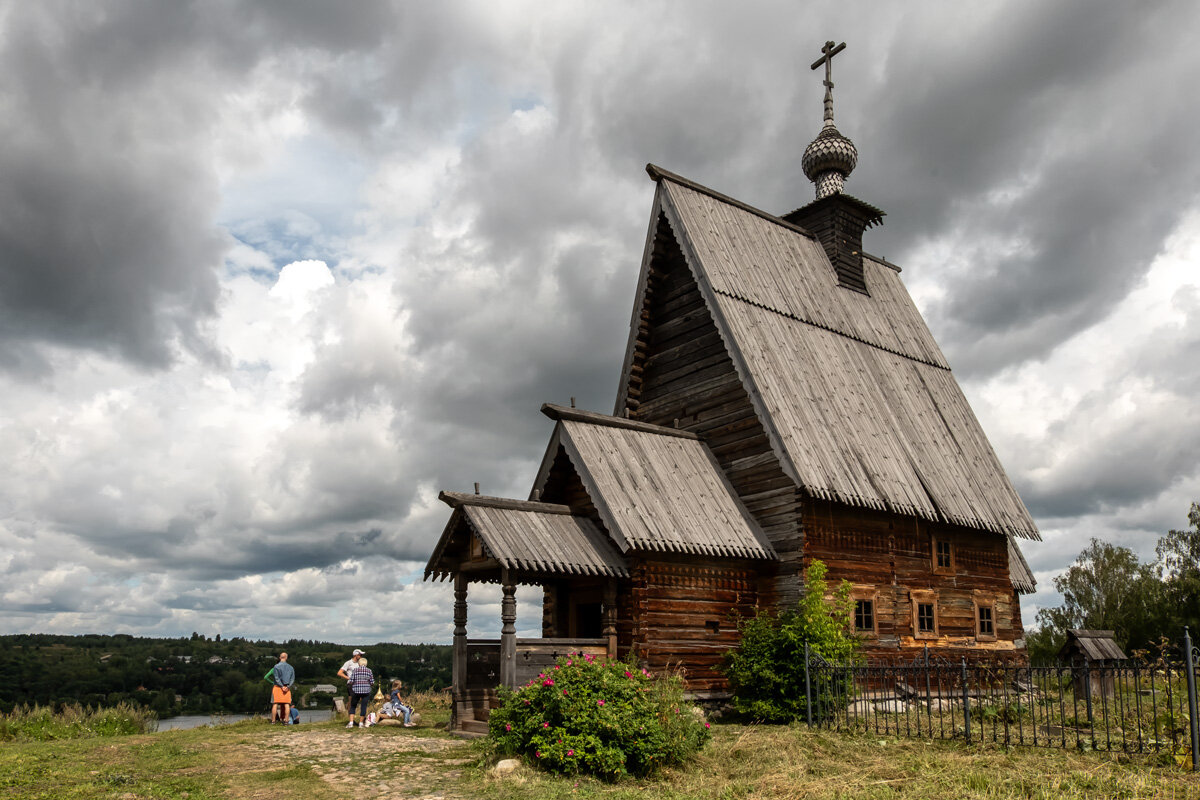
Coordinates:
853 389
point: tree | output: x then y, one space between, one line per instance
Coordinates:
1107 588
766 671
1179 568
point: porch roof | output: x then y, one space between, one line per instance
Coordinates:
534 539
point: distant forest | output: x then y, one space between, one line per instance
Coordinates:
198 675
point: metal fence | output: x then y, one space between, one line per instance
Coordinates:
1141 705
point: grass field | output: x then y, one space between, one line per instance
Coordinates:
326 761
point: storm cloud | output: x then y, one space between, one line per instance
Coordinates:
273 274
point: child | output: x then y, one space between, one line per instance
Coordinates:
395 707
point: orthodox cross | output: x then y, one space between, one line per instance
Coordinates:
828 52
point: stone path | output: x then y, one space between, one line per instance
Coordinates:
381 763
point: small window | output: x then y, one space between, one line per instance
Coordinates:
712 626
943 555
864 616
987 626
926 622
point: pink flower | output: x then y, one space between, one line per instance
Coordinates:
564 692
708 725
570 753
548 682
628 674
545 724
537 753
508 726
599 702
570 663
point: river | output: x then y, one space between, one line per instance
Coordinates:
196 720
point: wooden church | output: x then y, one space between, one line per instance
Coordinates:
781 400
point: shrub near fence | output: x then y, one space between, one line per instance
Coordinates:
1144 705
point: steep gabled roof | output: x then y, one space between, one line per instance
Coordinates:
855 395
537 539
655 489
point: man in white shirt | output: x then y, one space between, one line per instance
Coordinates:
347 668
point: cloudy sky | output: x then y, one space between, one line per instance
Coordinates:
272 274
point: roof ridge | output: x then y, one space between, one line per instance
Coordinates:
457 499
659 174
557 412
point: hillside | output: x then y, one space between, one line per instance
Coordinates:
196 675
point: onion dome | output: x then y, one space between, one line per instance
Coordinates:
829 160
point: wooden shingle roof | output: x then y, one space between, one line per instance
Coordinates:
854 393
1018 569
1096 645
532 538
656 489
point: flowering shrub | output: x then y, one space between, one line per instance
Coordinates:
598 716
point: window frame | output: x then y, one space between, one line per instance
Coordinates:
982 602
918 598
938 569
867 594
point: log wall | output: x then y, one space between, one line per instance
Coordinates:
893 556
686 614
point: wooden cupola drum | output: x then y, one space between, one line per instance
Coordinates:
836 219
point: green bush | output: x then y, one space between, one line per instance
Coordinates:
41 723
766 671
598 716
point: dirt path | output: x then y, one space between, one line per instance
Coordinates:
382 763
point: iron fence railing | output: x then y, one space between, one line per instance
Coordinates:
1140 705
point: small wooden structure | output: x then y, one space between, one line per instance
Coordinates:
781 400
1092 656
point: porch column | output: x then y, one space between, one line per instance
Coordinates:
460 635
508 631
610 617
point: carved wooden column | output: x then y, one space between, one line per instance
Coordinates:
460 647
508 631
550 611
610 617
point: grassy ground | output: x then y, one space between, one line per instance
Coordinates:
326 761
773 762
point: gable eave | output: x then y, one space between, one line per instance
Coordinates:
639 303
679 230
611 525
433 568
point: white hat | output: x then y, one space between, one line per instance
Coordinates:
359 653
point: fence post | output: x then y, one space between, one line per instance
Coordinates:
966 700
1087 694
1189 659
928 684
807 686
